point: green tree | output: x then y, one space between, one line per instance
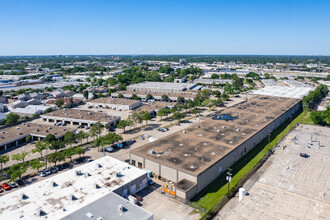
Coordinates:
181 99
16 171
59 103
146 116
85 94
36 164
216 93
56 157
28 138
20 156
69 137
178 116
12 118
225 96
69 152
195 111
48 110
122 124
39 147
149 96
164 98
56 145
97 129
79 151
3 160
49 138
214 76
120 96
81 135
162 112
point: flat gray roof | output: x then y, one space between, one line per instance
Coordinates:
207 142
292 187
107 208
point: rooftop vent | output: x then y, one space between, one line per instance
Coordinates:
2 137
152 151
3 132
121 208
71 197
95 185
52 183
184 132
20 133
98 165
39 212
49 128
55 132
64 129
17 128
22 196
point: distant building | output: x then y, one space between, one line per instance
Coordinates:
20 104
114 103
58 94
161 87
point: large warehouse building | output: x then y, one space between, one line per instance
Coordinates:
74 193
16 135
80 117
114 103
162 87
193 158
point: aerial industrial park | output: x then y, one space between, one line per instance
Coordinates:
160 110
106 145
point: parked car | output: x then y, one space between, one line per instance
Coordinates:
6 186
58 124
12 185
65 166
142 138
147 136
57 167
42 174
304 155
109 149
87 128
53 170
47 172
139 198
19 182
89 160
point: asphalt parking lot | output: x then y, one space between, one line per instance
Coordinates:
163 206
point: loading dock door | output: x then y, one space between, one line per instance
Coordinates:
133 189
144 183
124 193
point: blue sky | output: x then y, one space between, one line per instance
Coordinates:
280 27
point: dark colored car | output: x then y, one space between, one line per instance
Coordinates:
66 165
53 170
19 182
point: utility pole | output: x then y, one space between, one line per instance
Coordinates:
228 178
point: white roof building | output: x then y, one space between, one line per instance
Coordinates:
67 192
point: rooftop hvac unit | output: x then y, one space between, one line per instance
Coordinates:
121 208
95 186
39 212
22 196
71 197
184 132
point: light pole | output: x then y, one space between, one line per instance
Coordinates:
228 178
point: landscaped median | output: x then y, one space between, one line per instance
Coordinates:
211 199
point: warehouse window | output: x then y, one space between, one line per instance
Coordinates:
245 150
140 165
133 162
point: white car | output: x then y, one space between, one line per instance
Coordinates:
109 149
47 172
42 174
